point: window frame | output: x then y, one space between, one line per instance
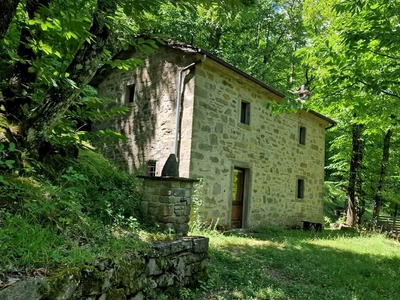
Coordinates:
151 168
300 188
302 135
244 116
130 92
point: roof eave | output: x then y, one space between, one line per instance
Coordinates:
240 72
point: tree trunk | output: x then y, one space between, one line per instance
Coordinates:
382 174
82 69
215 38
7 12
354 188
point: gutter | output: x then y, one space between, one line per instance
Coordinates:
329 120
178 100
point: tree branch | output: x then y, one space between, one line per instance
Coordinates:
82 69
385 55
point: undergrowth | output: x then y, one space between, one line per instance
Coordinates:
67 212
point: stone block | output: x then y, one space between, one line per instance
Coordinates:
180 246
188 191
153 268
181 228
205 147
23 290
188 200
188 271
165 191
165 227
163 248
165 210
152 208
166 199
175 184
183 210
138 296
200 245
186 184
175 219
178 192
165 280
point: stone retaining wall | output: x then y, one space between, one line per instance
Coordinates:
168 267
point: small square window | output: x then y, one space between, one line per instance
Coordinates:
130 93
302 135
300 188
151 168
245 113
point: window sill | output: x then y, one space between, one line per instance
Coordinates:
244 126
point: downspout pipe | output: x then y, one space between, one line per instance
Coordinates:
178 100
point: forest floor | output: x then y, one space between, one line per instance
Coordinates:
276 263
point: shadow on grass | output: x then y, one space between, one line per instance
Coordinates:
270 266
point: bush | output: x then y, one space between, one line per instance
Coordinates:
80 207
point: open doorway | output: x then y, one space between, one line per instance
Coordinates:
238 197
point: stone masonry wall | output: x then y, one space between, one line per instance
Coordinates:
150 123
213 141
268 148
166 203
168 267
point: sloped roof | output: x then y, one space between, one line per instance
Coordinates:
126 54
192 49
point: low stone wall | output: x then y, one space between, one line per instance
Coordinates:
166 202
168 267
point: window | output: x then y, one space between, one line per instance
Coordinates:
300 188
130 93
302 135
151 168
245 113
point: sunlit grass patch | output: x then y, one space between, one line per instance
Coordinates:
276 263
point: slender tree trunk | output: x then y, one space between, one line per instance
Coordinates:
215 37
82 69
354 188
7 13
382 174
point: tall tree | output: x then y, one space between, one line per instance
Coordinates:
58 45
354 77
260 39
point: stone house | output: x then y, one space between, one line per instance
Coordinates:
258 167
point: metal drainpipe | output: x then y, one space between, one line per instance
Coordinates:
178 101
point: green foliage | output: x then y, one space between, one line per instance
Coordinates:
89 204
196 218
259 38
75 129
5 152
113 194
275 263
36 246
335 200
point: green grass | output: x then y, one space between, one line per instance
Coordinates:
26 246
67 213
284 264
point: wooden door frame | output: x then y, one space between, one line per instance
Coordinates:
247 191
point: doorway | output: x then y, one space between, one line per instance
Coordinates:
238 197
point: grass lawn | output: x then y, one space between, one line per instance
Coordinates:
287 264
